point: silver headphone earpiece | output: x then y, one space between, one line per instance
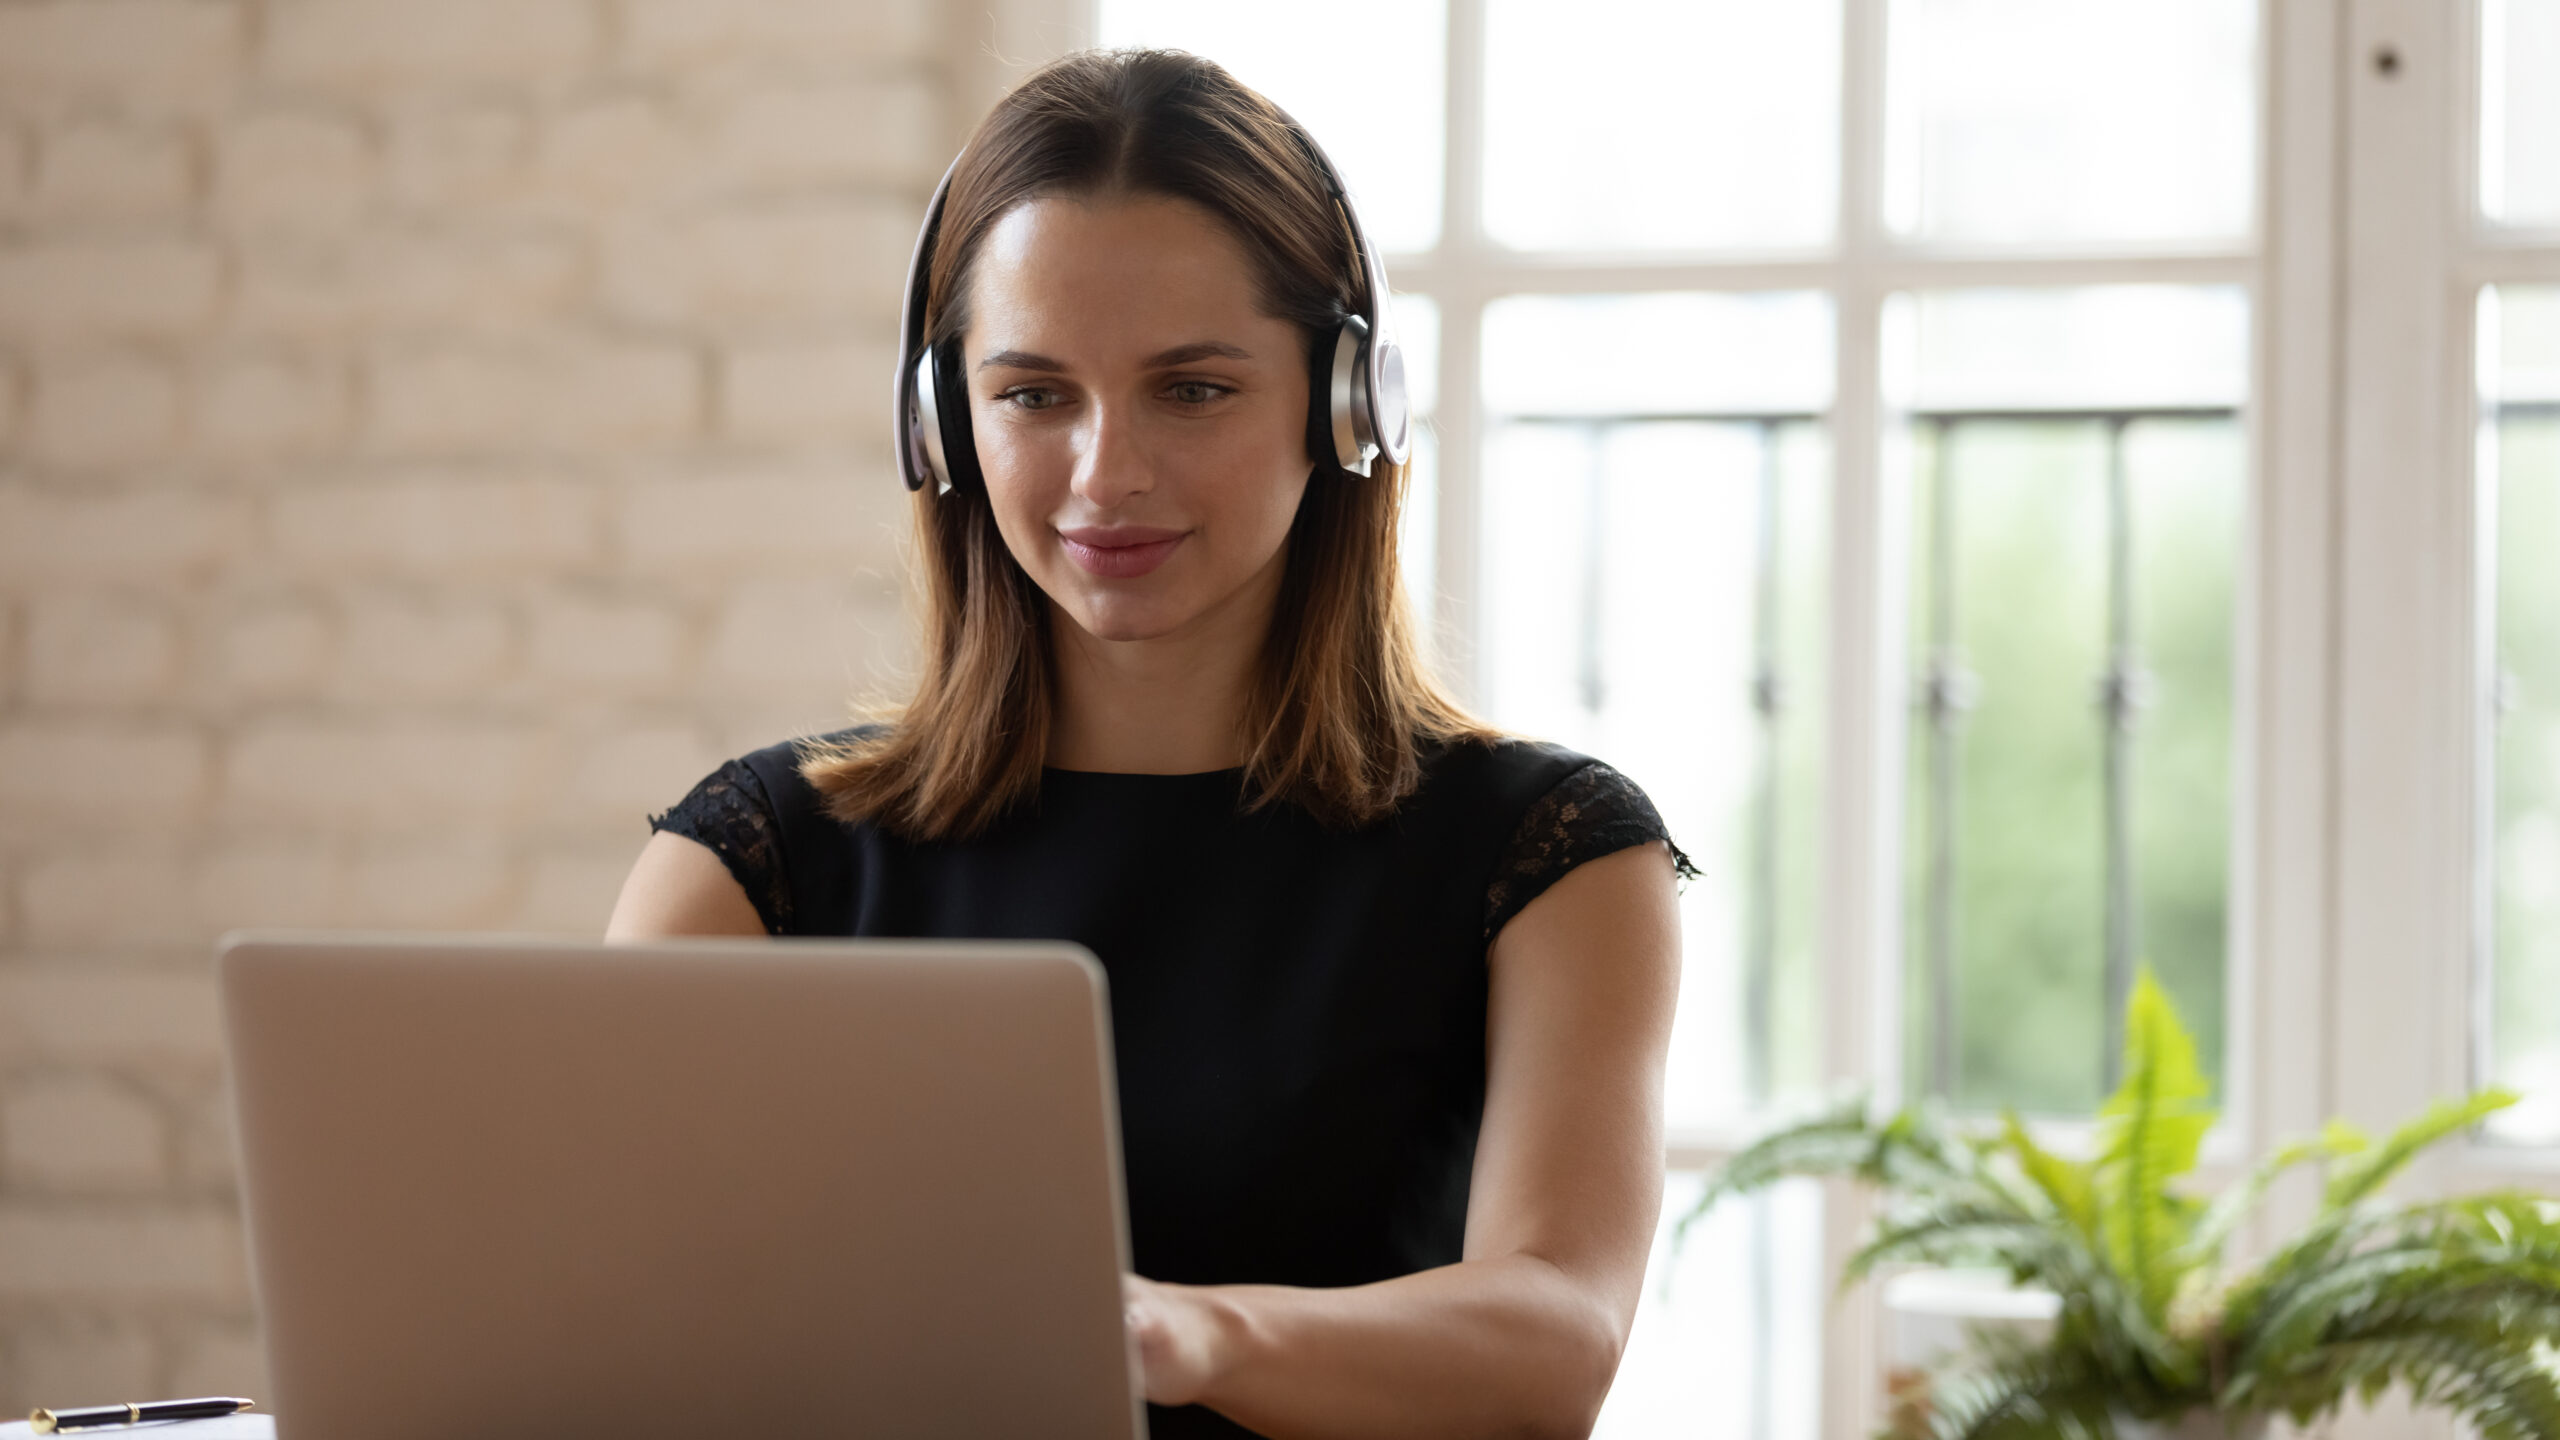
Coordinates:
924 428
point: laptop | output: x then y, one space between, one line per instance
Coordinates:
499 1186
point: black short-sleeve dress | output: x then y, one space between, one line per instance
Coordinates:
1298 1012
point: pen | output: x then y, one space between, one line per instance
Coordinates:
46 1422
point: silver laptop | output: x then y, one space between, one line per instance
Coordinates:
699 1188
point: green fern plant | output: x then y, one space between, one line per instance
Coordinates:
2457 1299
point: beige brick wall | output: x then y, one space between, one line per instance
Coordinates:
431 435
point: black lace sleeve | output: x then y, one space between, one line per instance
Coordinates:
1592 812
731 813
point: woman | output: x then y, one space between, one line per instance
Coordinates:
1390 993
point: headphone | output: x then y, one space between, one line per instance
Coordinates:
1359 411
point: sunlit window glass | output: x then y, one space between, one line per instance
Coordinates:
1366 76
1661 124
1728 1334
1652 593
1417 322
2519 452
2070 121
2077 485
2520 111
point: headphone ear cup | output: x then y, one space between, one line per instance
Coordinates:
959 440
1344 438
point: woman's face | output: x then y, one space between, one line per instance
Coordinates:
1141 423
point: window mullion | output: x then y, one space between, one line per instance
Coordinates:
1861 806
1455 278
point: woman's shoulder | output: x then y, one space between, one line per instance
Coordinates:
1555 808
765 821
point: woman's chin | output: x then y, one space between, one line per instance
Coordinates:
1126 617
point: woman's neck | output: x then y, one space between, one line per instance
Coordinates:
1170 705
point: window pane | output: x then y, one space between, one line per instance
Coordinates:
2076 534
1661 124
2520 476
2520 111
2038 121
1604 355
1417 321
1385 134
1654 596
1730 1324
2118 346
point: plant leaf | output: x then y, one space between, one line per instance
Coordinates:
2067 1183
2232 1208
2370 1170
2149 1133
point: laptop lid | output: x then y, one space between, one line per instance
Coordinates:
685 1188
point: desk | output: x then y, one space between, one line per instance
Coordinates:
228 1427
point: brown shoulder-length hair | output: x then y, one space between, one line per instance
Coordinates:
1341 704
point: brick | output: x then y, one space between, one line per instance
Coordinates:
92 172
17 168
272 651
144 288
743 522
81 1133
79 899
620 647
391 776
441 887
408 278
886 130
789 638
264 408
809 262
603 397
632 772
156 1252
573 893
357 45
159 537
105 409
662 33
88 1361
449 155
257 888
219 1359
825 393
159 52
101 775
91 1017
11 405
408 649
612 153
436 527
89 649
309 170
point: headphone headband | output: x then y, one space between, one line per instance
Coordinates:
1364 411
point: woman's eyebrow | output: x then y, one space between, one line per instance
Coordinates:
1197 350
1022 360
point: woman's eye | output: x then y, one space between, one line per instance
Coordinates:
1030 399
1195 392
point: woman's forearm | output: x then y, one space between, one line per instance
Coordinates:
1510 1345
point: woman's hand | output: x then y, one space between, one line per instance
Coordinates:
1178 1335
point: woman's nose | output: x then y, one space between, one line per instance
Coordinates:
1112 463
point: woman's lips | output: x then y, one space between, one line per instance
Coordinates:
1120 552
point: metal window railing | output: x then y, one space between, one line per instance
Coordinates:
1948 691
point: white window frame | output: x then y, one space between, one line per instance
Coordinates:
1868 669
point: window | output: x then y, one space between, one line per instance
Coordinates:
1988 467
2517 454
